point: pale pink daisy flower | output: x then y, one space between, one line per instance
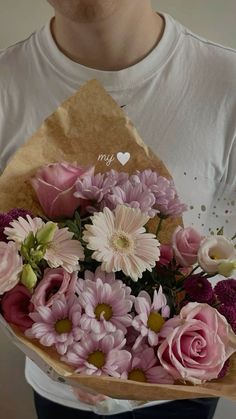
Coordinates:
63 251
150 316
58 325
106 307
99 357
90 277
145 367
120 241
106 278
21 228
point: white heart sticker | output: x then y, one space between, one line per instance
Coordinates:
123 158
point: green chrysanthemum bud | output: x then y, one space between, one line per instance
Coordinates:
28 277
46 233
227 268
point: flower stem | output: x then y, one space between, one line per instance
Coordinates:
159 227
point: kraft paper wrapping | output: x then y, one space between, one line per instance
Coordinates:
88 125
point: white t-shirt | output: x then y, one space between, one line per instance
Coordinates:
182 100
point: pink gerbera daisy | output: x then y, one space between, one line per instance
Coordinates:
20 229
58 325
99 357
151 316
63 251
119 240
145 367
106 307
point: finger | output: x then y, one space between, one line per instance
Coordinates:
88 398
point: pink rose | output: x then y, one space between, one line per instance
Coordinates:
10 266
16 307
186 243
196 343
55 187
55 282
166 255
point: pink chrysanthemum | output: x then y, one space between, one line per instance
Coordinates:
99 357
93 188
58 325
106 307
167 201
144 367
20 229
134 196
120 241
151 316
63 251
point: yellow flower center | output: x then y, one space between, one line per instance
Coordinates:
155 322
121 242
63 326
97 358
104 309
215 256
137 375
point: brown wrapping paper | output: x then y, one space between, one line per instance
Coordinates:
84 129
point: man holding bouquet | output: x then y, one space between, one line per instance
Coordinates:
176 87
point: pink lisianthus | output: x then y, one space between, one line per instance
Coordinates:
99 357
145 367
55 282
196 344
166 255
186 243
57 325
106 307
54 185
16 307
10 266
150 316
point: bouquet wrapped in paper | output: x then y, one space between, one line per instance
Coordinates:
100 283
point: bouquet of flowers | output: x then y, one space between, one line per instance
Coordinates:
100 280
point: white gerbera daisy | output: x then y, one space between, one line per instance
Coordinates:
120 241
63 251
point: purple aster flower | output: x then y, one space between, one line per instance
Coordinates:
199 289
229 312
167 201
15 213
5 220
226 291
132 195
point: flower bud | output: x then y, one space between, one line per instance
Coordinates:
28 277
46 233
227 268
